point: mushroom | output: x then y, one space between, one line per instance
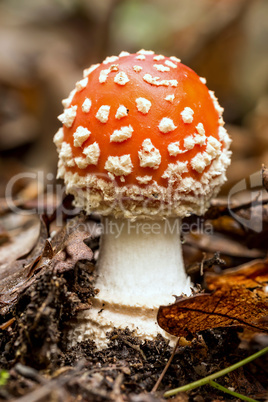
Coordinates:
143 145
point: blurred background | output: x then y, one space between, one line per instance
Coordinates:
45 45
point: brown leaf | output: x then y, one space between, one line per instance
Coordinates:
22 240
71 250
220 244
225 307
251 275
265 177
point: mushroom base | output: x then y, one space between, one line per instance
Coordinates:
95 323
140 267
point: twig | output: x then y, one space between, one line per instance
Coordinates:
135 347
158 382
202 264
116 393
29 372
44 390
211 377
228 391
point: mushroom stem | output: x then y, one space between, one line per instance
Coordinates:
140 262
140 268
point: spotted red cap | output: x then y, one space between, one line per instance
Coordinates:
142 136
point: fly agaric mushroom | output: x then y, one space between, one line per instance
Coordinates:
143 145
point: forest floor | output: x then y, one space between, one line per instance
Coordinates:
47 275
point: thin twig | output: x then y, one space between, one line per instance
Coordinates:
202 264
116 393
211 377
135 347
228 391
43 391
158 382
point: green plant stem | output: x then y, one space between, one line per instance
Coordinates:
228 391
211 377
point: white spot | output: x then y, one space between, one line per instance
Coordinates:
203 80
61 170
58 137
86 105
110 59
144 179
114 67
170 98
174 171
155 81
198 163
170 64
188 184
103 113
159 57
92 153
187 115
119 165
224 137
221 121
68 116
174 149
146 52
121 112
189 142
218 108
89 70
213 147
80 85
143 105
149 155
111 176
137 68
81 162
140 57
200 139
166 125
207 158
81 135
103 75
66 102
161 68
174 58
121 135
121 78
123 54
200 129
66 154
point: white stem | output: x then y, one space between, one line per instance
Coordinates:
140 267
140 263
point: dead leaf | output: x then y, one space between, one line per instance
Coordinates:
21 241
4 235
71 250
265 177
221 244
250 275
225 307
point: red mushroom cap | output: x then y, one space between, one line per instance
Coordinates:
142 135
